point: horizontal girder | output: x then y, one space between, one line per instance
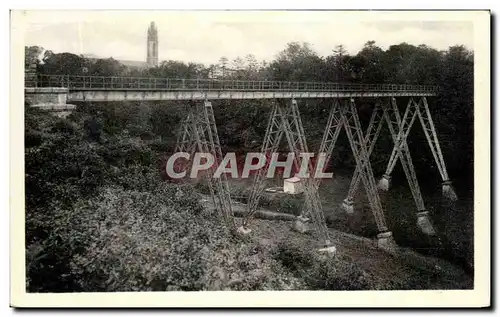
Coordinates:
149 95
99 88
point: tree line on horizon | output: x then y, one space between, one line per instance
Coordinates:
399 64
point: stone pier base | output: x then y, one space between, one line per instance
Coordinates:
348 206
385 182
424 223
301 224
243 231
386 242
448 191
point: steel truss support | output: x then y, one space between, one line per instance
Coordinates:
333 127
431 135
345 115
185 137
399 136
370 139
404 129
420 109
272 139
358 146
199 132
286 120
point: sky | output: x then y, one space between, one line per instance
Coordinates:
205 36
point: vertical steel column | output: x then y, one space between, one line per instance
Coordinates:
199 131
197 127
358 146
333 127
431 135
272 139
393 119
185 137
404 129
370 139
221 182
286 120
294 132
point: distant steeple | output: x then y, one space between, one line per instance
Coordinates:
152 45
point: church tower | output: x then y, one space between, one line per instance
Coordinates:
152 54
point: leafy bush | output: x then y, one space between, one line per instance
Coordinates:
128 240
124 150
322 272
61 168
288 204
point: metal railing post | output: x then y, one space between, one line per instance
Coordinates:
111 82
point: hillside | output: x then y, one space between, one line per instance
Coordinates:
358 263
100 218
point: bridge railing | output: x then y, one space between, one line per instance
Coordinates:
150 83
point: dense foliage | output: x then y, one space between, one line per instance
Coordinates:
99 217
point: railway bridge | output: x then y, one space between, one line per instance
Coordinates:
198 132
99 89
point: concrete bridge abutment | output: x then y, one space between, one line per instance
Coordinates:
52 99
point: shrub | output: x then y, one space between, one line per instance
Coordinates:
155 240
293 256
62 169
288 204
125 239
336 274
321 272
129 240
123 150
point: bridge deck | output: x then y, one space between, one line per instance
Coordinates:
95 88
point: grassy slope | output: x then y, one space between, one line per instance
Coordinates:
352 234
452 221
407 270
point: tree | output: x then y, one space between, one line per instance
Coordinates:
297 62
106 67
62 64
339 63
238 63
371 58
33 55
223 65
252 63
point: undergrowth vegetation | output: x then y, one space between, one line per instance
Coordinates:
99 217
101 214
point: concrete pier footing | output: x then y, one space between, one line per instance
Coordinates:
243 231
348 206
328 249
386 242
331 250
385 182
448 191
425 224
301 224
